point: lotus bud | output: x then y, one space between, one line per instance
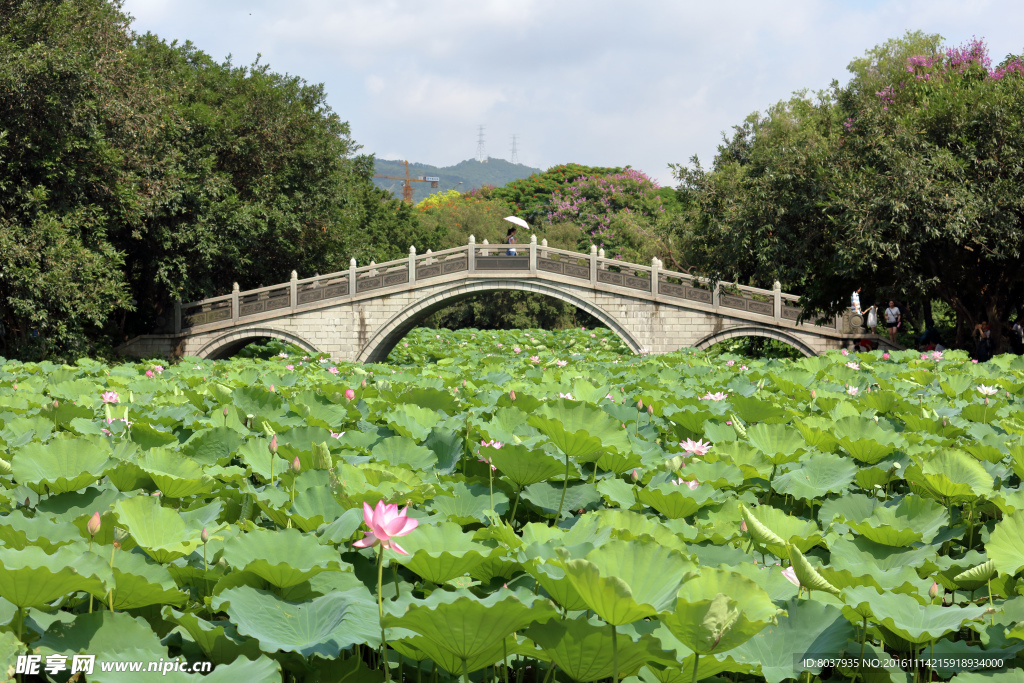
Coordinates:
273 444
640 404
813 394
204 536
363 384
933 591
986 400
296 465
15 386
271 388
225 411
350 394
93 525
56 403
27 501
743 526
896 465
635 475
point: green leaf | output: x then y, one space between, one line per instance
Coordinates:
174 474
1005 548
322 626
524 466
818 475
403 451
623 581
31 578
718 611
584 651
908 618
61 465
439 553
283 558
159 531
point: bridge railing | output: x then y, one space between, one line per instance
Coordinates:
530 259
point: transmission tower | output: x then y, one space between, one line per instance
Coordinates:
515 150
481 153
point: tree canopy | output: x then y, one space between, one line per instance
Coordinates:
134 171
906 180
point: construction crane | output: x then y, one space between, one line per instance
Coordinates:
408 181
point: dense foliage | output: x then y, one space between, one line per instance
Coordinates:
569 513
135 171
906 181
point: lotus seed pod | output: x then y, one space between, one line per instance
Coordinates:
296 465
93 526
120 535
204 536
5 467
117 545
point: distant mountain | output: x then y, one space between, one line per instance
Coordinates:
471 173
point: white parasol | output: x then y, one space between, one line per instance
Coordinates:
518 221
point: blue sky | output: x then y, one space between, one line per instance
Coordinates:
598 83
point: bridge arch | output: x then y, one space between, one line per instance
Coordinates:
234 341
755 331
378 346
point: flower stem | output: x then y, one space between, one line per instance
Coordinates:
380 607
696 658
565 485
615 656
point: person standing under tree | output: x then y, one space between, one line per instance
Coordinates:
893 318
872 322
510 239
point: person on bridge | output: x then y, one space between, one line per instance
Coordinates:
510 239
893 318
855 301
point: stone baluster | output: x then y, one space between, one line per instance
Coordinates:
351 277
655 274
234 302
412 264
593 264
544 244
293 290
533 254
777 291
472 253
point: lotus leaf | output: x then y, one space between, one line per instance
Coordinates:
676 501
219 640
1004 547
469 504
31 578
818 475
779 443
809 578
524 466
466 626
906 617
18 531
323 626
61 465
547 496
110 633
441 552
159 531
584 651
623 581
284 558
809 627
909 520
174 474
719 610
952 474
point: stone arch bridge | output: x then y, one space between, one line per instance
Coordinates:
360 314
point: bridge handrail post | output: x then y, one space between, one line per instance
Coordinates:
593 265
412 264
352 277
655 271
234 302
533 254
472 253
716 294
293 290
777 290
177 315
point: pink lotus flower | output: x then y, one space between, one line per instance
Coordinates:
289 367
149 373
568 396
386 522
93 525
975 360
695 447
282 355
561 363
692 484
853 366
350 394
852 391
333 371
923 357
158 369
730 363
936 355
534 359
845 352
744 367
106 431
110 397
885 356
719 396
609 397
790 575
337 435
492 444
516 349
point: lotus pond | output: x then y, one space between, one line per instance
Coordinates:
531 507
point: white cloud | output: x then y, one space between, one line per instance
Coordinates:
603 83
